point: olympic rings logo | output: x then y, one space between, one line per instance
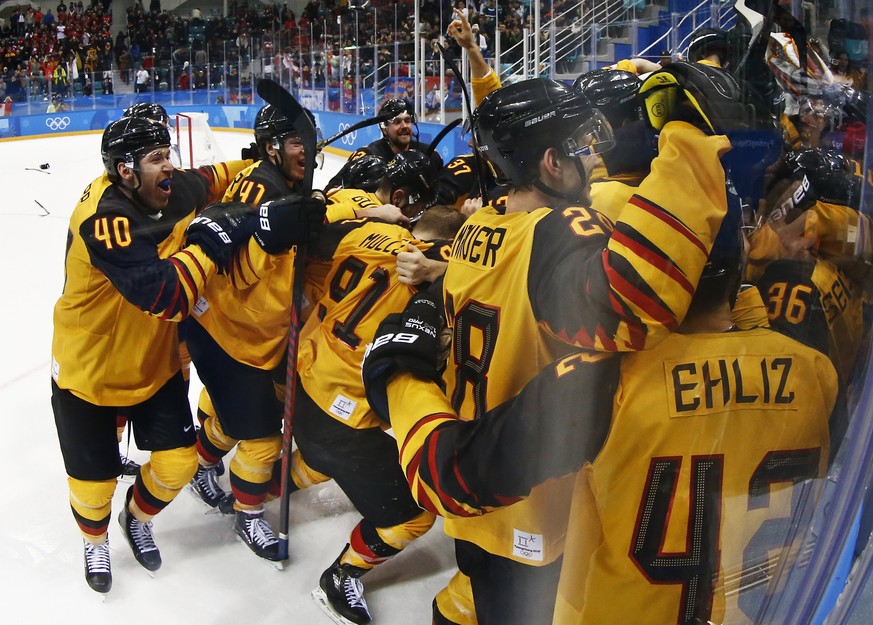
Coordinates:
57 123
350 138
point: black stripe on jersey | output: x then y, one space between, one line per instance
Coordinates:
330 238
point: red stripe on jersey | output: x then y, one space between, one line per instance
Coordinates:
670 220
657 261
196 262
447 500
631 293
423 422
185 274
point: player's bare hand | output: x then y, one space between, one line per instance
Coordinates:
386 212
471 205
460 31
413 267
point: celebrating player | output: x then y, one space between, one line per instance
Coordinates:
129 272
239 331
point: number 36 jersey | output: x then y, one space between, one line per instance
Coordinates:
684 511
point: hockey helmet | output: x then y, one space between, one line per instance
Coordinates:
416 173
514 125
272 126
364 173
129 138
830 175
614 92
709 40
396 106
148 110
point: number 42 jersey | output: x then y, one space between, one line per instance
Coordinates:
684 512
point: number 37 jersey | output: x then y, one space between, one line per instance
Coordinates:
684 512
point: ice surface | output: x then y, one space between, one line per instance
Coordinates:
207 576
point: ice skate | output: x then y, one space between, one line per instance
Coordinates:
205 487
256 533
98 572
340 595
129 468
139 536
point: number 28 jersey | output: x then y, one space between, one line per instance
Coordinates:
683 513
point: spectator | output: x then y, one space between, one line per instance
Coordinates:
53 105
142 80
49 18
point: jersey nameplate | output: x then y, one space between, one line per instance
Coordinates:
479 245
714 385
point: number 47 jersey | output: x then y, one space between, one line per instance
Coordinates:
685 512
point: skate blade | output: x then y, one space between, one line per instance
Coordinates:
321 601
207 508
276 565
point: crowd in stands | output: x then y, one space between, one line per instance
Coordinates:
71 47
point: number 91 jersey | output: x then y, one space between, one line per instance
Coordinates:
359 291
685 511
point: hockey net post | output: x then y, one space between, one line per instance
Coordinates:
195 142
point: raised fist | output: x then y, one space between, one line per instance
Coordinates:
704 96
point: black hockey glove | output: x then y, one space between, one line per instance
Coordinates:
704 96
251 153
220 230
290 221
406 341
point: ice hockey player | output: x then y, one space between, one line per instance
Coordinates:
130 272
397 137
560 422
336 431
238 334
539 138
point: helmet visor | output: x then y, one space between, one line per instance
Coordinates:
593 137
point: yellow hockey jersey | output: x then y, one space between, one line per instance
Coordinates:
520 287
683 512
126 275
360 289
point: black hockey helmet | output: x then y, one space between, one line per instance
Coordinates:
272 126
417 173
831 175
396 106
614 92
364 173
709 40
514 125
129 138
148 110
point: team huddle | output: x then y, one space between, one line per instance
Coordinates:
612 355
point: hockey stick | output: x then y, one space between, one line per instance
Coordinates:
441 135
477 158
361 124
275 95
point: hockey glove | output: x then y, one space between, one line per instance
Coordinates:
251 153
220 230
406 341
290 221
704 96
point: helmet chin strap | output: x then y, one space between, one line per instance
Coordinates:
543 187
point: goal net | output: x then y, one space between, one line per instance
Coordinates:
195 141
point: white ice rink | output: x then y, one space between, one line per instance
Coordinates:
207 576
